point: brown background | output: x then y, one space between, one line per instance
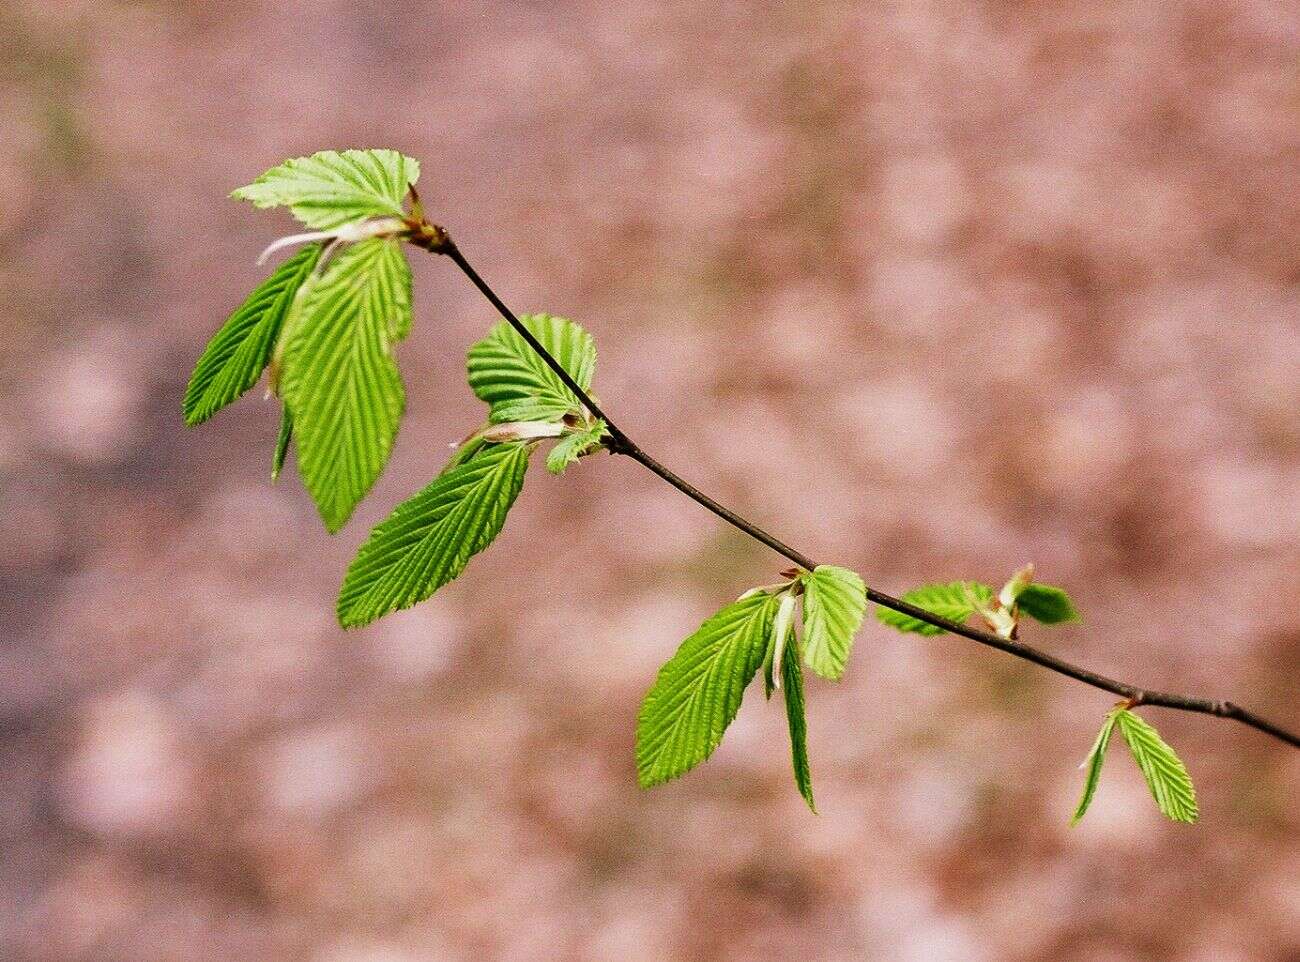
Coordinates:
931 288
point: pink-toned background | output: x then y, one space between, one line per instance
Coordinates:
933 289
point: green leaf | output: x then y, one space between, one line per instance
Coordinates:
946 600
1046 603
428 540
834 603
698 692
238 353
339 378
332 188
1164 771
792 682
509 375
573 446
1096 756
282 444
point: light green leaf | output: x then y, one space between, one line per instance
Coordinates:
1096 756
698 692
238 353
834 603
1164 771
282 444
1046 603
509 375
332 188
573 446
946 600
792 682
428 540
339 378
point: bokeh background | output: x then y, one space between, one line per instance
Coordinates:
932 289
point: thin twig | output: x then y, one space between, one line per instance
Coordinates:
436 240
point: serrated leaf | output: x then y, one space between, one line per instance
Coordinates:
834 603
234 359
429 539
339 378
1096 757
698 692
1164 771
573 446
282 444
1046 603
946 600
509 375
792 680
332 188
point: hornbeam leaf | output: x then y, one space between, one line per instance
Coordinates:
510 376
792 681
339 379
1163 770
238 353
573 446
952 601
282 444
1046 603
332 188
698 692
428 540
1093 763
834 603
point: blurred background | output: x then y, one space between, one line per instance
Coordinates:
930 289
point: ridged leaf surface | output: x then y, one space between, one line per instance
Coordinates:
834 603
333 187
428 540
339 380
698 692
238 353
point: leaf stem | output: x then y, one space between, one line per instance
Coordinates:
436 240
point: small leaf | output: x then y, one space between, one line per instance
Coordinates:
1047 603
339 378
573 446
698 692
509 375
282 444
1164 771
792 678
238 353
834 603
332 188
782 630
951 601
1096 756
428 540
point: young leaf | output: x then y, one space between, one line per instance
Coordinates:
834 602
1047 603
782 632
332 188
510 376
428 540
237 354
1096 756
792 679
698 692
339 378
573 446
951 601
282 444
1164 771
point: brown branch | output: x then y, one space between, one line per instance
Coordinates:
436 240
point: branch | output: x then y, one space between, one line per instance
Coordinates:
436 240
